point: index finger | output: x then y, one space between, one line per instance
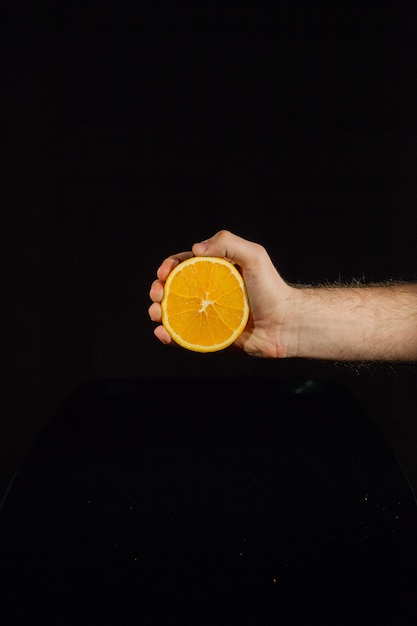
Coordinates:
170 262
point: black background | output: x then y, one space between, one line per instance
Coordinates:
133 130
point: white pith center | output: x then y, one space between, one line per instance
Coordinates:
204 304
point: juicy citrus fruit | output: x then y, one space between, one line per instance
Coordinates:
205 306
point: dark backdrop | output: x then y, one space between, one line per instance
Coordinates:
133 130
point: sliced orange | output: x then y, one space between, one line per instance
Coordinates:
205 306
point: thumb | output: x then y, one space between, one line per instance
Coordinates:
227 245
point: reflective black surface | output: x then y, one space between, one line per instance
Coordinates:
210 501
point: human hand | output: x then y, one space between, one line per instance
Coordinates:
270 297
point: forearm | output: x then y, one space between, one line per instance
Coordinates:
358 323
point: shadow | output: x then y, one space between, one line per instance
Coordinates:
209 502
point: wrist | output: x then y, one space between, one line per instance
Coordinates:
290 322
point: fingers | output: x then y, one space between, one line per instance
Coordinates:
155 312
162 334
156 292
226 244
172 261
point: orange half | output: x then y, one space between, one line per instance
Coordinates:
205 305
